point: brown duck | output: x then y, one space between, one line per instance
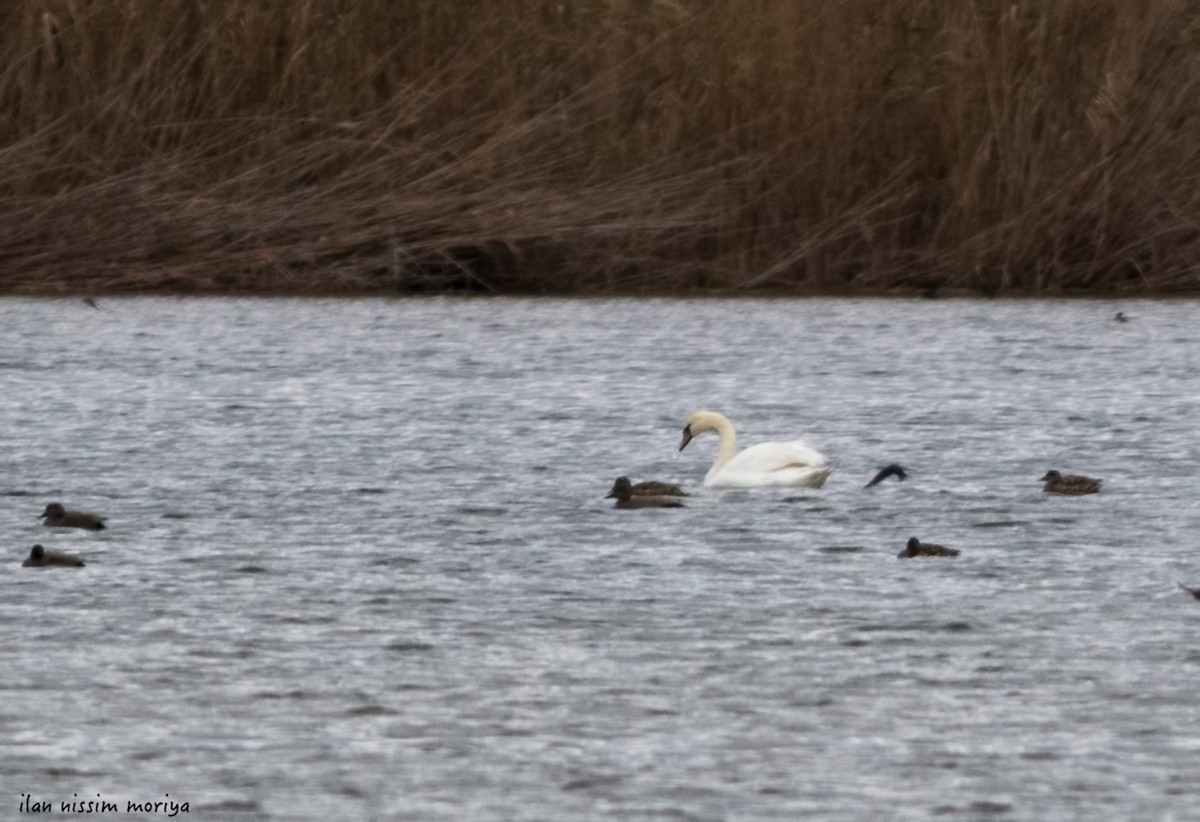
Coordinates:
1069 484
57 516
651 488
916 548
623 491
39 557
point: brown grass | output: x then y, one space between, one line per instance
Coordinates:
596 146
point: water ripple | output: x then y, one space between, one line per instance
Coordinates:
360 564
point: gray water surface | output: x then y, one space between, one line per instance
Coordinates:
360 564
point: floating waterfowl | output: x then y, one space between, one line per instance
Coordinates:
651 488
57 516
622 490
892 470
39 557
793 464
1069 484
1195 592
1120 317
916 548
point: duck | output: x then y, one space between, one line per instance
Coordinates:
1120 317
889 471
651 488
1069 484
57 516
916 548
793 464
39 557
1195 592
623 491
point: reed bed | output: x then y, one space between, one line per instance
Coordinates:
599 146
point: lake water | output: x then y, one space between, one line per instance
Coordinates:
360 564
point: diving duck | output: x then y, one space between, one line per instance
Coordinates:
1069 484
57 516
39 557
623 492
916 548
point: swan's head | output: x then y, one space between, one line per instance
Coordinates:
697 424
1051 475
54 509
622 489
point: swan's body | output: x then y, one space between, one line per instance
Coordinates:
793 464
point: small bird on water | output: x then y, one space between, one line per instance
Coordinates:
652 488
892 470
1120 317
39 557
57 516
1069 484
622 490
916 548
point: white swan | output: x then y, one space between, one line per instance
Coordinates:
792 464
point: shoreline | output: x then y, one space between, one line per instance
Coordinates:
697 295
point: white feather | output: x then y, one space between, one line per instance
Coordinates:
793 464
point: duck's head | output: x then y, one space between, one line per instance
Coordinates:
622 489
697 424
37 552
54 509
1051 475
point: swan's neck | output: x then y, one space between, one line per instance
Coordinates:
724 429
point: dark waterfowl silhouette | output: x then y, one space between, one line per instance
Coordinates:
57 516
1120 317
889 471
39 557
1195 592
623 492
1069 484
651 488
916 548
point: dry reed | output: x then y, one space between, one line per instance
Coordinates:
599 146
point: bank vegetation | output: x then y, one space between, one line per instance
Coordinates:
600 146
